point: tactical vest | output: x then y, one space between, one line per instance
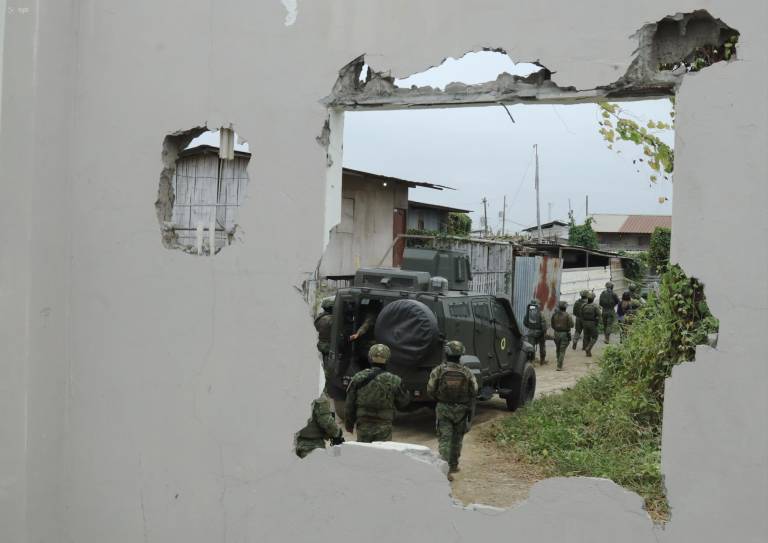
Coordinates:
608 300
577 307
323 325
375 395
560 322
453 386
589 312
312 430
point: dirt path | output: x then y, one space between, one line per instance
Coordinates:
490 475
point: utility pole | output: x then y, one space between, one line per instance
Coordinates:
485 215
587 207
504 216
538 210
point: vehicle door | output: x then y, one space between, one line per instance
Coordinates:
484 334
459 324
506 342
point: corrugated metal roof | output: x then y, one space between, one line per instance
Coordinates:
608 222
424 205
645 224
384 178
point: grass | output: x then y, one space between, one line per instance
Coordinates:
609 424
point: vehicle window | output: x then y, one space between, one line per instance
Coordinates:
481 311
500 314
459 310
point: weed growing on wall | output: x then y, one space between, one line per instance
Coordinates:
582 235
658 253
609 424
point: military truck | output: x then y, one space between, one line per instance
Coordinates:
417 308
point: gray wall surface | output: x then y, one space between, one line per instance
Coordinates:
364 233
125 416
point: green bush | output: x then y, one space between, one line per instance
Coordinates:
459 224
609 423
658 254
582 235
637 268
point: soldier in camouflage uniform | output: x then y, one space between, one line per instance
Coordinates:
373 396
590 316
320 426
576 316
366 330
626 311
537 329
634 292
323 324
562 322
608 303
454 388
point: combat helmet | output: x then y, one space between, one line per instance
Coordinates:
584 293
591 297
534 302
609 285
454 349
562 305
379 354
327 304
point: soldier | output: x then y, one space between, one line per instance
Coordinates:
537 328
320 426
366 329
455 389
590 316
323 324
626 311
562 323
373 396
634 292
576 316
608 303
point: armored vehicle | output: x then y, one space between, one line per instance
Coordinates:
415 309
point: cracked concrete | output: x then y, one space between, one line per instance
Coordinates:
671 39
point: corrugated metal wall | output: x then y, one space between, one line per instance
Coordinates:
200 192
536 277
492 265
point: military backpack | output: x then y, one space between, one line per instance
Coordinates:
608 299
453 386
588 313
533 317
560 322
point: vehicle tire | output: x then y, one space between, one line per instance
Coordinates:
523 388
409 328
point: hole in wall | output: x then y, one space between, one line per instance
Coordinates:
639 141
202 185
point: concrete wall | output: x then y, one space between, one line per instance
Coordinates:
125 416
624 242
574 280
364 233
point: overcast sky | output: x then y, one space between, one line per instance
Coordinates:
481 153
